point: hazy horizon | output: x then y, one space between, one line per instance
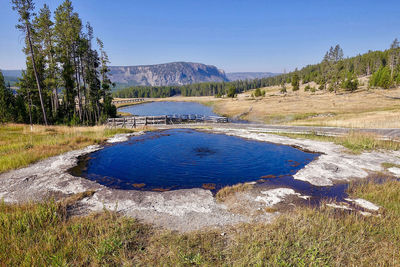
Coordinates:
162 64
235 36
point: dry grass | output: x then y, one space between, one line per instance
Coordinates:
227 191
123 114
373 119
19 146
355 142
120 105
42 235
72 200
388 165
361 109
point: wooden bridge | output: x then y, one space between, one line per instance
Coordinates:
132 100
134 121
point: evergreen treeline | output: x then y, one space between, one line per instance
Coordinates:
332 73
66 79
197 89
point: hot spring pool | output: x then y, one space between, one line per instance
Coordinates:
182 159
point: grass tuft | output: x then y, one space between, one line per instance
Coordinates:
227 191
72 200
388 165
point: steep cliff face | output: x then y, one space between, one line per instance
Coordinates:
176 73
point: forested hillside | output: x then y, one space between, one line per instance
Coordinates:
335 71
332 73
66 79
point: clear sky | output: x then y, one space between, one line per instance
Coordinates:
233 35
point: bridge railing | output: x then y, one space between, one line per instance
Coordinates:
134 121
128 101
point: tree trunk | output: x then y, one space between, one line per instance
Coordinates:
28 31
30 112
83 86
78 84
85 103
55 93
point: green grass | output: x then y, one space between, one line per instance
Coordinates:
355 142
43 234
19 146
388 165
40 235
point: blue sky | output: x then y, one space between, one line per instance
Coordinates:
232 35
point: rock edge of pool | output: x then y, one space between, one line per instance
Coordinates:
197 208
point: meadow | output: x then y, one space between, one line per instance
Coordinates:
45 234
363 108
21 145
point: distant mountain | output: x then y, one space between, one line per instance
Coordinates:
12 73
176 73
11 76
235 76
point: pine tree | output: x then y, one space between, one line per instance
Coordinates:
257 92
385 80
24 9
45 33
395 44
337 53
350 83
7 102
231 92
295 82
67 29
394 56
109 109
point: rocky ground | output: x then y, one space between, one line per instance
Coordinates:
192 209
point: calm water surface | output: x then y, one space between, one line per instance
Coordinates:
178 159
168 108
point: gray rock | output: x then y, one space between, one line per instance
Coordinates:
176 73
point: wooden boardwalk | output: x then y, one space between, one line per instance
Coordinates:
133 100
134 121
